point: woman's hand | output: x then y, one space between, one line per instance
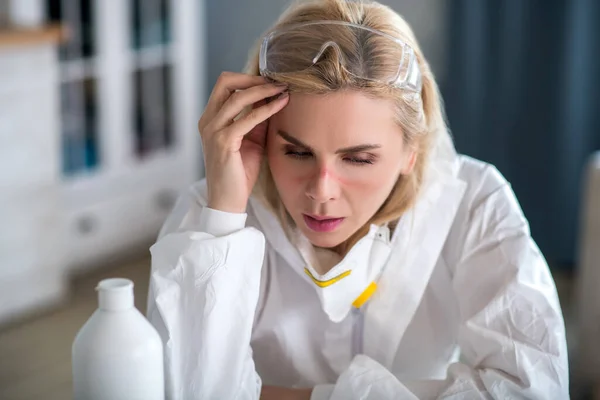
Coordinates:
279 393
233 149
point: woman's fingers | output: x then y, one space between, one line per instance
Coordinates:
238 101
228 83
245 124
232 164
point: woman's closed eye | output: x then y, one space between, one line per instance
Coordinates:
368 159
357 159
297 153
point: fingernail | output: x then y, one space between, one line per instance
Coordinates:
283 95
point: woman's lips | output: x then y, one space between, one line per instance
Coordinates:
322 224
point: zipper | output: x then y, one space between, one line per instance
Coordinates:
358 326
357 332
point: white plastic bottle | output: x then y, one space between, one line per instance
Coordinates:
117 354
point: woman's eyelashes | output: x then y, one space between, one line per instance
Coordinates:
369 159
357 159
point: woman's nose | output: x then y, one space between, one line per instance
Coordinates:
323 186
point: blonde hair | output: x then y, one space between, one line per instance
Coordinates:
420 116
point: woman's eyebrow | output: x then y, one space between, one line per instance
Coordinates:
289 138
352 149
359 148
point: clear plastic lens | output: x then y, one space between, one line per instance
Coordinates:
363 52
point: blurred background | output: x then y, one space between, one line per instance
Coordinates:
99 101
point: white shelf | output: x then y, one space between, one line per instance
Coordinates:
32 231
56 224
123 201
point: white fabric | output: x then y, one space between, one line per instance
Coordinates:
219 223
465 307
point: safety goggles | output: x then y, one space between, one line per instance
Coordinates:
299 47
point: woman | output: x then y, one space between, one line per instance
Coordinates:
339 248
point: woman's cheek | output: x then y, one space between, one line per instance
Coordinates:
368 178
361 187
283 172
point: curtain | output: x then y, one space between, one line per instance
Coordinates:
522 92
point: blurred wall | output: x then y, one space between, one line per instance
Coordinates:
235 25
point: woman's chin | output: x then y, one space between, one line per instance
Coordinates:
322 239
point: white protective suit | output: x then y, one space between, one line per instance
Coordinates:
465 306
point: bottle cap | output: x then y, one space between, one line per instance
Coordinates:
115 294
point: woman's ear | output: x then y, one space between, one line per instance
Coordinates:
409 163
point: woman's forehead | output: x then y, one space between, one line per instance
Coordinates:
343 117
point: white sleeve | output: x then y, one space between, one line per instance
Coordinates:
204 287
512 335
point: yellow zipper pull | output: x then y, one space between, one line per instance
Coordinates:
365 295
